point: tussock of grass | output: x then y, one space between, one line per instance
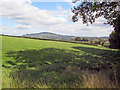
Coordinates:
101 79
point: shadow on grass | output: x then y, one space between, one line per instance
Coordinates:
56 67
109 59
107 55
49 66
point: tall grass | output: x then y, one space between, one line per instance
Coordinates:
68 79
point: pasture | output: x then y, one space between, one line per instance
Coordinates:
30 63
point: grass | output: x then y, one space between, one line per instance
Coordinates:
29 63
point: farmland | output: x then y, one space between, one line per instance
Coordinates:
30 63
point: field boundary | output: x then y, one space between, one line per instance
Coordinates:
77 42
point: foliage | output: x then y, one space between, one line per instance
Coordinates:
113 40
89 11
81 39
106 45
91 41
78 39
100 41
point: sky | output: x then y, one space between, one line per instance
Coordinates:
18 17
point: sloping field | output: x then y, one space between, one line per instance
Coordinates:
29 63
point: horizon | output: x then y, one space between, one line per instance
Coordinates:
28 16
51 33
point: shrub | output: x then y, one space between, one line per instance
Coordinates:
78 39
114 40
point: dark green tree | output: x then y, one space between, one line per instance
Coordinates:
113 39
90 11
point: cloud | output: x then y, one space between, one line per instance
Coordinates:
82 30
22 26
29 17
7 30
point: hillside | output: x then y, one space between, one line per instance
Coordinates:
31 63
48 35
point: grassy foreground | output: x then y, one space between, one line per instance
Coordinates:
29 63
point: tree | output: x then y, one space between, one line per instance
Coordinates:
90 11
113 39
78 39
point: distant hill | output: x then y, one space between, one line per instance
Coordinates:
49 35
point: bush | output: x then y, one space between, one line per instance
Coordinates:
106 45
78 39
114 40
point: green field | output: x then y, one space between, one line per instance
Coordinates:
29 63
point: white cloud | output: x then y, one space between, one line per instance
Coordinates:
81 30
22 26
7 30
29 17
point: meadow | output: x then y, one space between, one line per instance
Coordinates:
30 63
